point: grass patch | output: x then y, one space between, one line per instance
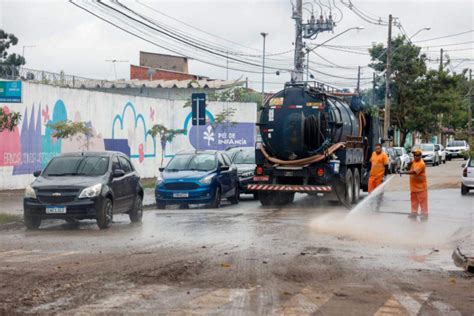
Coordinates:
9 218
148 183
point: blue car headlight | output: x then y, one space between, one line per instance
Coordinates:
207 179
159 180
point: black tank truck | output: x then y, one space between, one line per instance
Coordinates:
313 142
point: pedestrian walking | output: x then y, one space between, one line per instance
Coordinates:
378 167
418 187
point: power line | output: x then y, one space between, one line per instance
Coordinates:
445 36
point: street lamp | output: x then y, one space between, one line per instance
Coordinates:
23 51
264 35
420 30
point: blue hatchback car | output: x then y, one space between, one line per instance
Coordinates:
201 177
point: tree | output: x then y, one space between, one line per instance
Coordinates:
9 62
68 129
166 136
409 109
8 120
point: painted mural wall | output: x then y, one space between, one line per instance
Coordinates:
119 123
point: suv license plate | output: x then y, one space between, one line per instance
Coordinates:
180 195
56 210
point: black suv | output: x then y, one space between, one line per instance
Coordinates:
89 185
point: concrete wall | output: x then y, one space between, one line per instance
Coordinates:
119 122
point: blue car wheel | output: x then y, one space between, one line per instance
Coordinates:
216 203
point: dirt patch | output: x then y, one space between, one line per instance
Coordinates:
178 271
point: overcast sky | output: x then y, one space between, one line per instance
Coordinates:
67 38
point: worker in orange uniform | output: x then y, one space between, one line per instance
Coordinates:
418 187
379 167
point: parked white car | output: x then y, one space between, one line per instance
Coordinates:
404 157
467 177
428 153
441 153
457 149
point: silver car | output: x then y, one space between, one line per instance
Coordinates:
467 177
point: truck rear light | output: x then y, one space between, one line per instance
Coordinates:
464 173
259 171
320 172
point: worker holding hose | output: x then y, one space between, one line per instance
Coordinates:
418 187
378 167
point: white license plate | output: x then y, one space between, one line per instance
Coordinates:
180 195
56 210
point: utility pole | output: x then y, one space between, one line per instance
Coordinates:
441 51
227 67
358 79
386 123
307 65
306 30
263 69
373 89
469 109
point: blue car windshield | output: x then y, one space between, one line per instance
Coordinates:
77 166
201 162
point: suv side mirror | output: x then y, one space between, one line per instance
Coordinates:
224 168
161 169
36 174
118 173
463 165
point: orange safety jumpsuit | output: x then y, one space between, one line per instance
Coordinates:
377 170
418 188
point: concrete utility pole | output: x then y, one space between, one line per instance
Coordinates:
227 67
386 123
441 51
373 89
263 68
358 79
469 109
306 30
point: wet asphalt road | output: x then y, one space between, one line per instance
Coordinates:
308 258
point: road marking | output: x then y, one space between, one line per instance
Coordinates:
391 307
306 302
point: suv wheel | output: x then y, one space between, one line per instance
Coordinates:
105 215
136 213
235 199
217 199
464 189
31 221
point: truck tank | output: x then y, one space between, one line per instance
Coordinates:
301 121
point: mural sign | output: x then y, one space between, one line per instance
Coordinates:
10 91
222 136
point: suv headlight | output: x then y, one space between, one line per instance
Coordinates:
159 180
91 191
207 179
30 193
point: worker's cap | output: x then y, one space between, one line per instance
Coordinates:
417 152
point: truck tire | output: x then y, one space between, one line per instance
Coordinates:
464 189
348 188
285 198
31 222
266 198
356 194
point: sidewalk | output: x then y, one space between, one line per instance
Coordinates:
12 201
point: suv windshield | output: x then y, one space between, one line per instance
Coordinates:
456 143
427 147
77 166
200 162
245 157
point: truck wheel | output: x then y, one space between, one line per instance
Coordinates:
136 213
105 214
266 198
31 222
464 189
285 198
348 188
356 195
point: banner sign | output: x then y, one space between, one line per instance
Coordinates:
10 91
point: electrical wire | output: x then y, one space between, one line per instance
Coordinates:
445 36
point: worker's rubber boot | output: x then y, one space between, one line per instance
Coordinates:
412 216
424 217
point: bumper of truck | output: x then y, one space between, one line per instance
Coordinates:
290 188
